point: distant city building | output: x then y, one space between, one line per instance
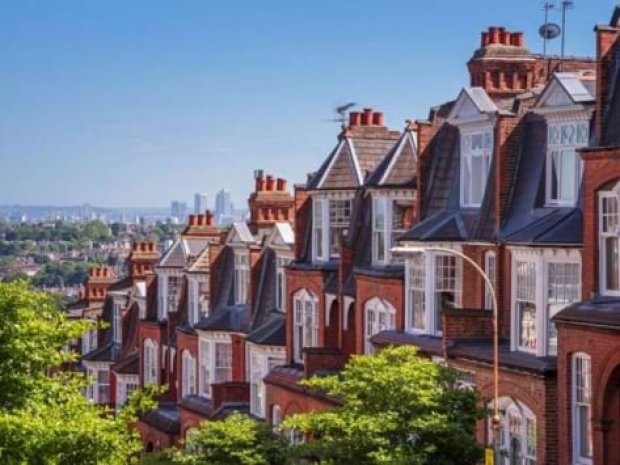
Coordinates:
178 211
200 203
224 211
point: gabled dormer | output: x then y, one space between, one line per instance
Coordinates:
241 240
474 114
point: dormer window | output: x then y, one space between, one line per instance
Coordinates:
563 162
305 323
169 290
116 323
242 277
281 263
476 153
331 218
389 218
609 241
198 302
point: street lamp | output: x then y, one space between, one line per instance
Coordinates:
496 420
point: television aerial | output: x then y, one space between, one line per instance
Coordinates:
340 113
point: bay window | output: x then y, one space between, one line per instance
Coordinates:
518 433
563 161
389 218
544 282
261 361
151 367
89 340
169 290
103 386
609 241
476 153
204 380
331 217
198 301
223 362
380 316
305 323
582 409
281 263
214 362
433 284
242 277
188 370
116 323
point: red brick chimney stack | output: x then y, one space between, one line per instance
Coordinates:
500 36
281 185
209 218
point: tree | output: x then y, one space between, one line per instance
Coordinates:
44 418
237 440
398 408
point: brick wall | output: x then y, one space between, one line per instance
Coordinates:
185 342
303 211
318 359
605 39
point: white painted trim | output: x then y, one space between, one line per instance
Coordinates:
331 164
355 162
396 156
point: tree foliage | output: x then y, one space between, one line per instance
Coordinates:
398 408
44 418
237 440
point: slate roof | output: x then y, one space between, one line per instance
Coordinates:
272 332
166 418
611 106
183 251
128 366
600 313
398 167
243 232
235 318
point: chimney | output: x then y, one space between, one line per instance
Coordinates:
367 117
484 40
355 118
151 246
209 218
143 246
192 220
200 220
377 118
517 39
270 182
281 184
134 246
494 35
506 37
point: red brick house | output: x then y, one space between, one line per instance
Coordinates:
344 285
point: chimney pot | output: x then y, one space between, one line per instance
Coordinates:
494 33
134 246
484 40
209 218
143 246
192 220
517 39
506 37
281 184
355 118
367 117
270 182
377 118
151 246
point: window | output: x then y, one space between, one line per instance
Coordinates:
525 304
563 288
433 284
379 226
89 340
476 152
306 327
242 277
609 241
490 269
169 290
116 323
545 282
130 388
126 386
330 220
390 218
204 377
276 417
582 409
223 362
518 433
189 374
151 367
563 162
379 317
256 385
281 263
174 292
198 302
103 386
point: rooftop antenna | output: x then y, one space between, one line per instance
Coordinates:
566 5
548 30
341 113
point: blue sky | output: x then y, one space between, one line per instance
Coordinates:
136 103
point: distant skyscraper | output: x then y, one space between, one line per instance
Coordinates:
200 203
178 210
223 206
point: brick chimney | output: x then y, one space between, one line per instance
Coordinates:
270 202
100 278
144 255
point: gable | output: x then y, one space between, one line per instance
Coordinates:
402 168
555 96
341 171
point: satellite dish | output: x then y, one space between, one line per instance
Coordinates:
549 31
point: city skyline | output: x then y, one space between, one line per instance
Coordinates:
187 91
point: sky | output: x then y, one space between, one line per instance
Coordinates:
123 103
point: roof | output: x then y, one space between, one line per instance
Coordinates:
108 352
472 100
166 418
575 87
604 312
611 105
286 233
272 333
128 366
183 251
240 232
398 168
235 318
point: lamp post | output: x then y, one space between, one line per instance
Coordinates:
496 419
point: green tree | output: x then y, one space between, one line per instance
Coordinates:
398 408
237 440
44 418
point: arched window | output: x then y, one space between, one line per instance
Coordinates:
150 362
609 240
379 317
306 323
581 394
189 374
518 433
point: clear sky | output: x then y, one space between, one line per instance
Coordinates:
138 102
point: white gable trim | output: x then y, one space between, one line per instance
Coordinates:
408 136
331 163
355 162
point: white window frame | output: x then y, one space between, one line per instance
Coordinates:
276 418
581 387
516 419
383 232
322 224
89 339
117 323
188 365
613 233
210 373
413 284
126 385
242 276
541 259
490 269
376 310
99 392
282 262
467 133
305 311
151 362
261 359
565 148
163 290
197 302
